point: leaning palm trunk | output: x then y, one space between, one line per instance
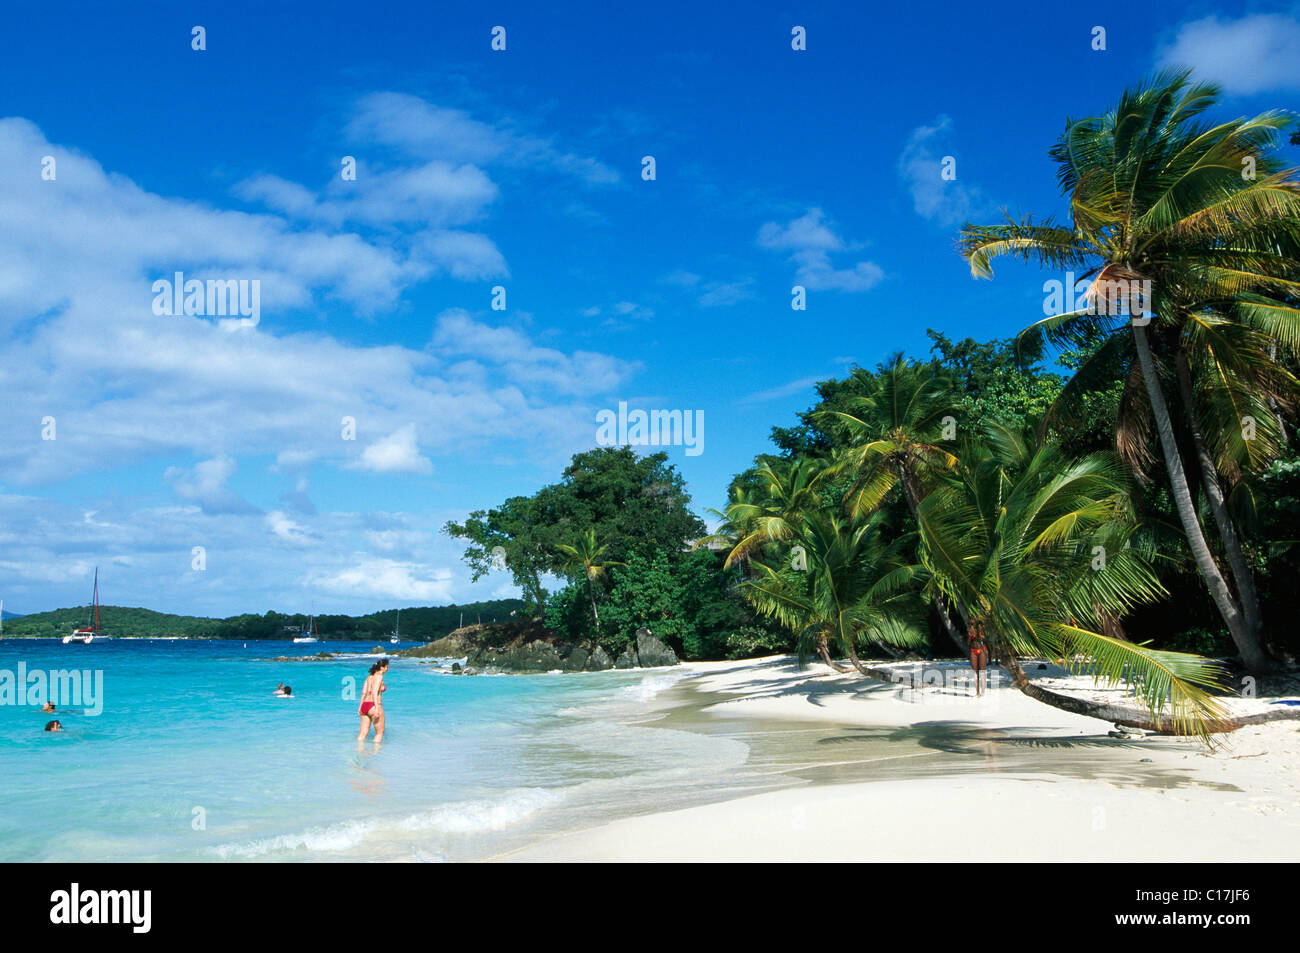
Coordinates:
1125 715
959 640
1241 574
824 651
1252 653
867 670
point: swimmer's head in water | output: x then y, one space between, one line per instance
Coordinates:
48 706
53 726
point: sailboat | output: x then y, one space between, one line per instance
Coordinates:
397 633
311 637
88 633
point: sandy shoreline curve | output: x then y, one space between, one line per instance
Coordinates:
1073 791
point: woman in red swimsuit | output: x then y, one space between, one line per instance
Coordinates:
372 702
979 654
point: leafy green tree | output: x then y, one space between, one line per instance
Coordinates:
995 379
687 602
635 504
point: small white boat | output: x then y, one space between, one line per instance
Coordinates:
397 633
311 637
88 633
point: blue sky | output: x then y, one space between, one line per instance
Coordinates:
475 169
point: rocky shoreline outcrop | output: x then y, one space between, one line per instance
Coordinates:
527 646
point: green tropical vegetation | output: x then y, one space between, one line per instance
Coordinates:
1116 487
420 623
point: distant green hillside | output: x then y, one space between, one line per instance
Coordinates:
423 624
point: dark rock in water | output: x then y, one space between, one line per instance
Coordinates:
628 658
523 646
455 667
1042 667
652 652
525 657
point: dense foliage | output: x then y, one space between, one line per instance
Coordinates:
1130 466
634 505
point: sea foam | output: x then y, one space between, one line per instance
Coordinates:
460 817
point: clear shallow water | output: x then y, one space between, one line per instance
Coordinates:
194 759
471 767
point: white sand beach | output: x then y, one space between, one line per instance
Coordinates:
1094 797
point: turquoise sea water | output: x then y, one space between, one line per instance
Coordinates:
194 759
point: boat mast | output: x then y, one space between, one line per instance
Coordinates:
95 629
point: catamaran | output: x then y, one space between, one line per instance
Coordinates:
397 633
88 633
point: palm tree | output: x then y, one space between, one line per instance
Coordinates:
790 492
1038 547
894 435
855 588
1159 202
586 557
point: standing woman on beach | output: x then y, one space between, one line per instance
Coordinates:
372 703
979 653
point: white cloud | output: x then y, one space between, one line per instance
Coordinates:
810 241
439 193
82 344
684 279
386 577
282 526
582 372
129 388
943 201
1254 54
408 542
809 232
423 129
785 390
722 293
48 555
399 452
205 486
